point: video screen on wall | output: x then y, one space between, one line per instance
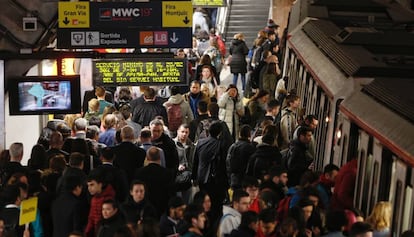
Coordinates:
43 95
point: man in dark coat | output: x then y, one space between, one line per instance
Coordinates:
299 159
159 180
161 140
209 167
265 156
194 96
114 175
128 156
144 112
67 212
14 165
238 157
202 109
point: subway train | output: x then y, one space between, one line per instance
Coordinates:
354 71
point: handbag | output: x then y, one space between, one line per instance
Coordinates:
228 60
183 180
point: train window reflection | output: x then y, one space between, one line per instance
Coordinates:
408 208
397 204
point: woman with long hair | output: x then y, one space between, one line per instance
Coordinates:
380 219
231 108
257 106
238 64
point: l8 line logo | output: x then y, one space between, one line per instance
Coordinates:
120 14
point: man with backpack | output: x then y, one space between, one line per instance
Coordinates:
238 157
209 167
199 124
178 111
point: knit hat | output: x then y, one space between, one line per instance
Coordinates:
175 202
272 24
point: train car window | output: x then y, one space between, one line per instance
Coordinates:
386 174
367 180
370 145
408 209
353 142
374 194
360 179
398 198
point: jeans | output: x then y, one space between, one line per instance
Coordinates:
243 79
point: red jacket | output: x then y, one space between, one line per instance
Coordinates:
95 212
343 195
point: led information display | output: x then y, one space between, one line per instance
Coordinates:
134 72
208 3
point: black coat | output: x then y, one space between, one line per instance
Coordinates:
134 212
238 51
242 232
128 157
160 185
262 159
68 215
108 226
117 178
210 152
298 163
237 160
170 151
145 112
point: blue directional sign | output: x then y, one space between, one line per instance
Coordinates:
124 38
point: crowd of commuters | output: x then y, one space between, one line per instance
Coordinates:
199 163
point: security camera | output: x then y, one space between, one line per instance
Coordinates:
29 23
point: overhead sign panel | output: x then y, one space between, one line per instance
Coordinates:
209 3
124 38
177 14
143 71
125 15
73 15
163 24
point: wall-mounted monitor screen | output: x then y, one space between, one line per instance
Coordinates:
44 95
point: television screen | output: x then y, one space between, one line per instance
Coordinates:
44 95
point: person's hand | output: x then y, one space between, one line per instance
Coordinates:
316 231
181 167
308 232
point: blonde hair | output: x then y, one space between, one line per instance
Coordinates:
205 87
93 105
380 217
239 36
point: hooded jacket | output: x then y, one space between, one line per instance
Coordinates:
238 51
186 112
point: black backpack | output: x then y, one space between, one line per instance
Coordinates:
247 117
202 129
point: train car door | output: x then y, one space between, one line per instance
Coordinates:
396 196
363 170
408 219
376 175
